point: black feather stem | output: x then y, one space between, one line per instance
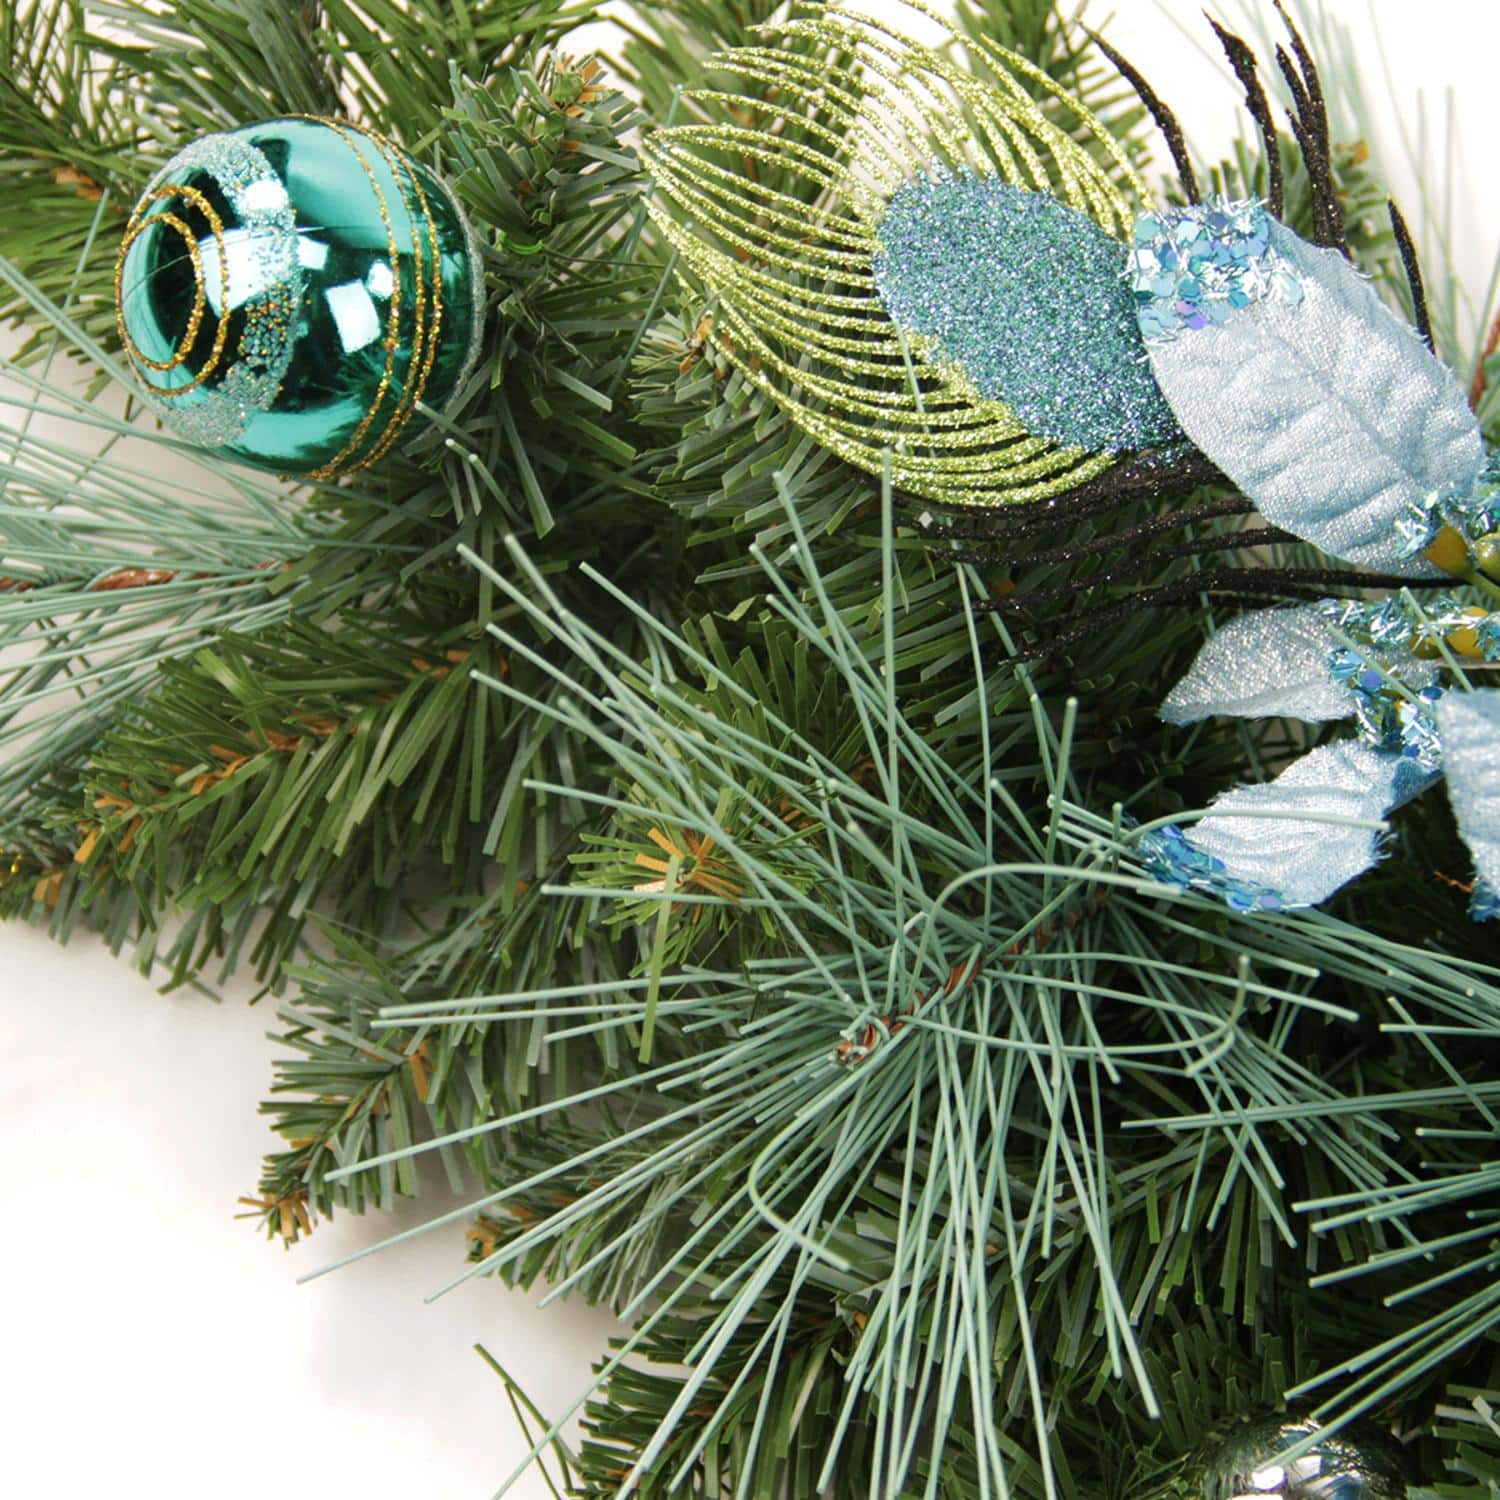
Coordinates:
1235 505
1028 518
1319 174
1132 480
1221 541
1274 577
1316 99
1312 106
1247 70
1413 265
1166 121
1251 589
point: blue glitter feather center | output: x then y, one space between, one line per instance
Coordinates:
1027 297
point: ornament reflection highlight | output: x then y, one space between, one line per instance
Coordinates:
1249 1463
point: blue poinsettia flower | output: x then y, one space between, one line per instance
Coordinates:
1282 364
1279 361
1295 840
1336 420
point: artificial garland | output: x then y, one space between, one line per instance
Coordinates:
718 745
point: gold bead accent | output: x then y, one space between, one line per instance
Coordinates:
1449 551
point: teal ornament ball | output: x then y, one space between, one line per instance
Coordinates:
1252 1462
290 291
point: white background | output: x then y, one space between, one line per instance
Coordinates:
155 1344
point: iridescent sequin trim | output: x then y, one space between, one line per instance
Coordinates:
1400 623
1472 510
1194 267
1392 719
1170 859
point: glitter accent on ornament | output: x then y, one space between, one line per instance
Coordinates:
1022 294
1484 903
258 276
1195 266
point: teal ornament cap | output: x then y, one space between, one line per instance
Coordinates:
288 292
1024 297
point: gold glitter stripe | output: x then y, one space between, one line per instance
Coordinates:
200 299
399 414
337 464
137 225
415 390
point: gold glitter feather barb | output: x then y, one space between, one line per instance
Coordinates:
774 209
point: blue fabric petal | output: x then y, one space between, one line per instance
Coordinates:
1264 836
1024 296
1470 728
1325 409
1270 663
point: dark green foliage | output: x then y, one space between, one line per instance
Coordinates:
298 761
630 811
226 780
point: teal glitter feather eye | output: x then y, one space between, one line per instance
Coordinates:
1024 295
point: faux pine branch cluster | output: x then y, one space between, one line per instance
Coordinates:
674 831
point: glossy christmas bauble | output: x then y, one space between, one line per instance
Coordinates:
1250 1462
290 291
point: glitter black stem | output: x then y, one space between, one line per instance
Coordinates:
1224 541
1171 521
1263 587
1263 580
1166 121
1310 126
1130 568
1413 265
1247 70
1319 105
1319 179
1140 478
1251 588
1134 479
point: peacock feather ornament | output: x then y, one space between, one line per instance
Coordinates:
944 269
875 171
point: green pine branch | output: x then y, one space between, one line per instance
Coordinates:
911 964
641 823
